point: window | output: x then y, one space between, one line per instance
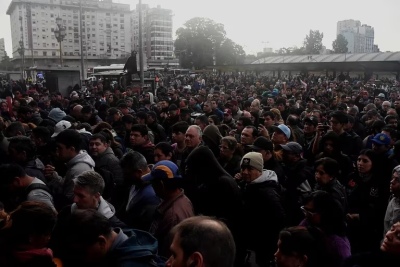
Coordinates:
44 53
53 53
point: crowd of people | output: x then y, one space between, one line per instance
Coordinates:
207 170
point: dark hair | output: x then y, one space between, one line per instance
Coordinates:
99 136
14 128
390 117
246 121
215 119
86 109
23 144
141 128
9 172
332 215
141 115
369 153
302 241
102 125
203 119
133 160
341 116
165 148
70 138
31 218
392 132
269 113
42 133
254 133
85 226
180 127
331 166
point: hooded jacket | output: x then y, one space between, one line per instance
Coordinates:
133 248
212 138
263 215
211 189
110 162
62 187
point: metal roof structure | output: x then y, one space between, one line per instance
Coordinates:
382 61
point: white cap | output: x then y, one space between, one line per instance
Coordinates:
61 126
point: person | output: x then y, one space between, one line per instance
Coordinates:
206 186
91 240
229 158
141 143
387 255
131 65
77 161
201 241
16 184
368 196
262 201
163 151
326 173
174 207
393 207
135 200
301 246
322 210
193 139
28 234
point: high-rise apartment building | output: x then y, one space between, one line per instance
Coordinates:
360 37
2 49
106 29
157 32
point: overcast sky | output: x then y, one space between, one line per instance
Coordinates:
255 24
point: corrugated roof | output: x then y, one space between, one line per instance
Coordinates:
332 58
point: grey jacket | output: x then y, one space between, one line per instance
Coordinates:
63 187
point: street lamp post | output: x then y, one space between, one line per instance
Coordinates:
60 34
21 51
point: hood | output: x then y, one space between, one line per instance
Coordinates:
82 157
107 152
139 244
200 157
266 175
105 208
212 134
35 164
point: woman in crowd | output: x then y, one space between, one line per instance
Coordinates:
301 246
368 195
322 210
326 172
163 151
228 158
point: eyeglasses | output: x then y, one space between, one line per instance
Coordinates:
307 212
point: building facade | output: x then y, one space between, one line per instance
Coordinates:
2 49
158 45
360 37
106 31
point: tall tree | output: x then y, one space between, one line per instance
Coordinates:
313 42
340 44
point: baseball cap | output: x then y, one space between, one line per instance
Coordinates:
253 159
61 126
163 170
381 139
228 111
381 95
284 129
313 120
293 147
262 143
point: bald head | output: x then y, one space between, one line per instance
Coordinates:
76 111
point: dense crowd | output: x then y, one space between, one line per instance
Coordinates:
206 170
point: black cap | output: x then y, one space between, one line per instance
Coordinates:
313 120
262 143
172 107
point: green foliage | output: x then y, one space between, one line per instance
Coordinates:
340 45
202 39
313 42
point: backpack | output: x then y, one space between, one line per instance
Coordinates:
109 183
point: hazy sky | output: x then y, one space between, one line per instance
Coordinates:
256 24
